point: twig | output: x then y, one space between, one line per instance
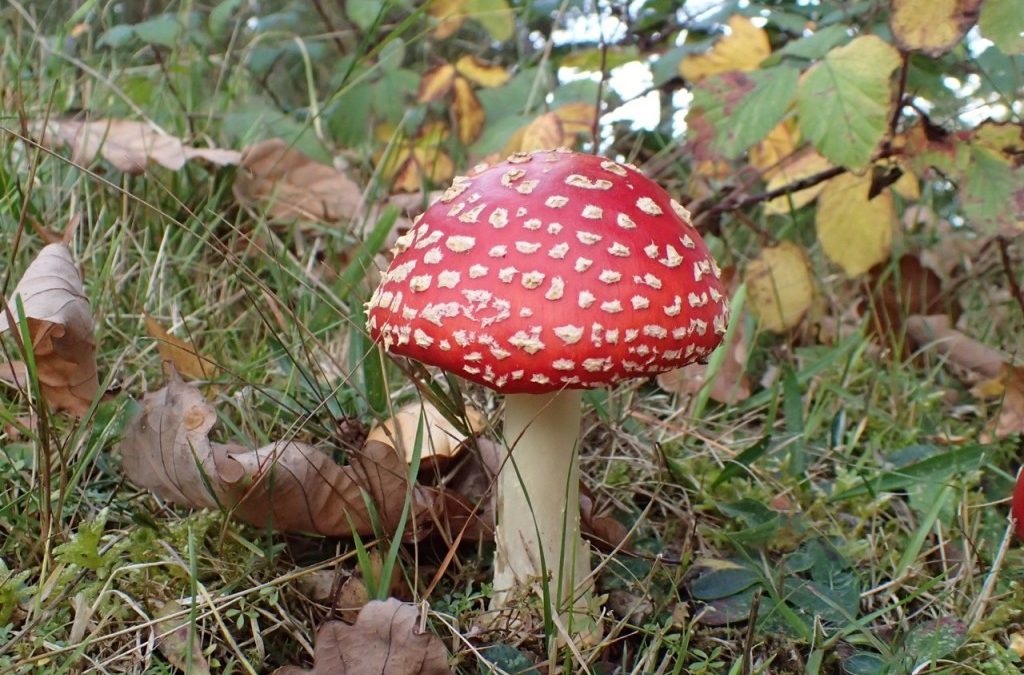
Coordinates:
748 642
1011 279
899 95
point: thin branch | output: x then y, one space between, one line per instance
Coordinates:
1011 278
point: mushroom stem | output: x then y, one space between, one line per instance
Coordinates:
538 508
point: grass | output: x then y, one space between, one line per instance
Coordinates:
849 505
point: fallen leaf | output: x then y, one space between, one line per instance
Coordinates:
855 232
288 486
288 185
61 327
743 48
173 641
779 286
186 358
127 144
731 383
908 289
440 439
932 26
602 528
384 640
436 83
480 72
468 111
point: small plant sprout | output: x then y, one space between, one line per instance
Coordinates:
538 277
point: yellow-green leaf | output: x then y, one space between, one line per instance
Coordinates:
780 289
854 232
932 26
844 101
480 72
743 48
494 15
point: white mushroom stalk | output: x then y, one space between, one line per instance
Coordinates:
539 547
537 277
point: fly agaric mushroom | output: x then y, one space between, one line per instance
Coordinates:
540 276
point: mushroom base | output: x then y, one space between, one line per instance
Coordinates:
539 548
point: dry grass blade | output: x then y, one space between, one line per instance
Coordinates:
127 144
288 486
288 185
384 640
62 331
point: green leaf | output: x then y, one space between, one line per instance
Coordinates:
865 663
494 15
744 107
816 45
221 15
162 30
116 37
723 583
591 59
991 194
84 548
844 103
257 121
1002 22
508 659
363 13
933 640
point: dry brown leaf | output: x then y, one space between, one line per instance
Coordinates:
173 641
288 185
288 486
127 144
973 360
441 440
62 331
384 640
480 72
731 383
186 358
468 111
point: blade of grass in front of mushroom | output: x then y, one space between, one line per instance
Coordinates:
362 260
718 356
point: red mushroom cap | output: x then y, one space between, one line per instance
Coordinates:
1017 506
551 270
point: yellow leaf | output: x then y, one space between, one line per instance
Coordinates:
807 163
932 26
469 114
779 286
743 48
778 145
855 233
906 186
543 133
186 359
577 118
435 165
436 83
449 16
480 72
408 178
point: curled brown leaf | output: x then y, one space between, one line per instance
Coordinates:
61 327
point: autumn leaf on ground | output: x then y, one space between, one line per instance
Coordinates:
287 185
440 439
731 383
127 144
932 26
855 232
173 640
61 327
989 371
187 360
743 48
385 640
844 100
288 486
779 286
